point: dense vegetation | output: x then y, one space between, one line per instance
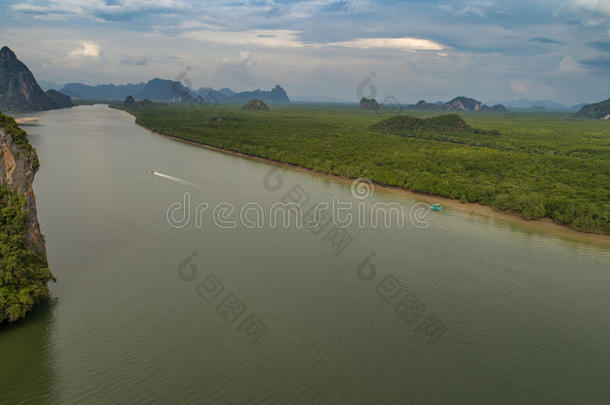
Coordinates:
255 105
441 127
23 273
534 164
599 110
19 135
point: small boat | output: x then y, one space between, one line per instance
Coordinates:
151 171
436 207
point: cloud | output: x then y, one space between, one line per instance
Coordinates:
240 69
477 8
544 40
87 49
282 38
601 64
601 45
99 9
244 60
519 86
127 59
599 7
568 64
391 43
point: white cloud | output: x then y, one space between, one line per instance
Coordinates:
87 49
290 39
244 59
476 7
600 7
568 64
262 38
391 43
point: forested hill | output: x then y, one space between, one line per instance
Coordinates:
599 110
23 262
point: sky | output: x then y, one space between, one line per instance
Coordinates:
324 49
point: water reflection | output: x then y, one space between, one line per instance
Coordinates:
27 369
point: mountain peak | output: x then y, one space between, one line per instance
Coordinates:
19 90
6 53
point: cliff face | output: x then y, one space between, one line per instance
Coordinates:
18 165
23 262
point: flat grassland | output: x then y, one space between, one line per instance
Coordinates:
538 165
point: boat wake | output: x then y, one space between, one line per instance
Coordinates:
172 178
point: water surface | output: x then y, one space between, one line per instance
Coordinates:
526 313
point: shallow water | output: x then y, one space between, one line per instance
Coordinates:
525 314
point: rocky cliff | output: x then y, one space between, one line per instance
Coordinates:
23 262
369 103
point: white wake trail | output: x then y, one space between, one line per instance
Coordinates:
174 179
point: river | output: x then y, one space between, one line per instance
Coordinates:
151 310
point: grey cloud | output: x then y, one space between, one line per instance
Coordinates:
601 63
601 45
544 40
133 60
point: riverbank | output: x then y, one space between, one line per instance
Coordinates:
26 120
540 225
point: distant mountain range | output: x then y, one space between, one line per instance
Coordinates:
526 104
172 91
19 90
102 91
599 110
457 104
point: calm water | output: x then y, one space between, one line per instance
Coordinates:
526 314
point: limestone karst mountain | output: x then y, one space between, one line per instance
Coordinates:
255 105
599 110
19 90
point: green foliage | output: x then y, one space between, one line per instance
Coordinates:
448 127
534 164
255 105
599 110
59 100
23 273
19 135
407 123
